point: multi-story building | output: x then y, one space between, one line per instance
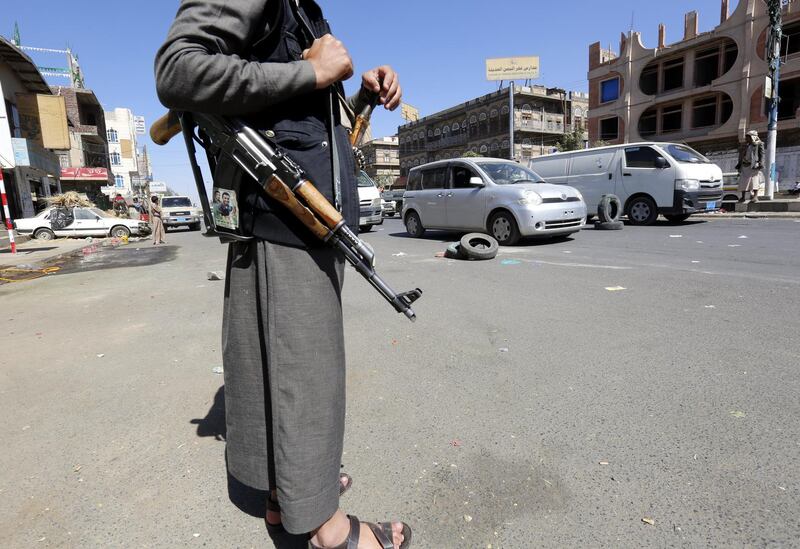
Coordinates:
84 166
31 120
382 158
707 90
122 151
483 126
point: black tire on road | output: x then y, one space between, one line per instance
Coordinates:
609 225
195 227
503 227
414 225
678 218
609 208
44 234
642 211
479 246
364 228
120 231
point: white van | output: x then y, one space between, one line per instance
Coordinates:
369 200
649 178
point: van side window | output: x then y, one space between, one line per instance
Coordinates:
414 181
641 157
434 178
461 176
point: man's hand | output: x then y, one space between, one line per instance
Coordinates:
389 91
330 60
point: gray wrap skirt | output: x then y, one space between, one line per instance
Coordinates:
284 362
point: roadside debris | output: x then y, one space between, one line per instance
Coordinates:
648 520
217 370
676 236
603 462
399 254
615 288
503 349
467 518
101 355
216 275
737 413
743 236
510 262
475 246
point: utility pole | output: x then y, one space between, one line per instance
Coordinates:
773 48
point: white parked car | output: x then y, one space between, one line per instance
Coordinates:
369 203
84 222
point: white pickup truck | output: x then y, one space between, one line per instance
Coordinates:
178 211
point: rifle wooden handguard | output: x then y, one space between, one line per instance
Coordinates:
165 128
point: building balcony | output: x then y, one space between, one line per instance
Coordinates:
446 142
30 154
538 126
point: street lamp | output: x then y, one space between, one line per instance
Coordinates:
773 48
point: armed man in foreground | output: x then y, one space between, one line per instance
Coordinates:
274 64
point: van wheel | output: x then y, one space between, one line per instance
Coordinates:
642 211
679 218
414 225
364 228
503 227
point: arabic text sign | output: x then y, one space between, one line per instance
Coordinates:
512 68
409 113
138 123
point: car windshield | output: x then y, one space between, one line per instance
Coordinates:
176 202
687 155
99 212
364 180
509 173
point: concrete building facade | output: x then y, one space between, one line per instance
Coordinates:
122 150
84 166
483 125
382 158
706 90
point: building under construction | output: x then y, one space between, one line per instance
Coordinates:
707 90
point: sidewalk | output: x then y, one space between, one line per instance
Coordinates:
34 251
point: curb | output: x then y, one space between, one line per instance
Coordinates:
749 215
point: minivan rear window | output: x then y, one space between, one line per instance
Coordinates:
434 178
414 181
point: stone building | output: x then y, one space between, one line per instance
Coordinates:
29 124
123 150
382 158
84 166
483 126
706 90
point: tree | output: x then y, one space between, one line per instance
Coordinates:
470 154
571 141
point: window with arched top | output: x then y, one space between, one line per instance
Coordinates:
430 133
505 143
119 181
437 132
456 127
526 108
446 129
112 135
473 119
495 146
116 159
482 116
493 113
484 148
526 142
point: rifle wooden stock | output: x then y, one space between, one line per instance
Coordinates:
358 129
278 190
165 128
319 204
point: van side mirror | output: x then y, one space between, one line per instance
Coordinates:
476 181
661 163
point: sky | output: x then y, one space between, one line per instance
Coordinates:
438 47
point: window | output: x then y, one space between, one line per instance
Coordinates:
434 178
609 90
461 176
706 66
704 112
414 181
789 94
113 137
686 155
726 109
609 129
119 181
13 119
641 157
672 119
116 159
82 213
673 74
648 81
647 122
790 42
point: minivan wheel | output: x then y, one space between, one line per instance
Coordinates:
364 228
503 227
642 211
414 225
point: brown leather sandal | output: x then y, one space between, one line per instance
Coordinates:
274 506
382 532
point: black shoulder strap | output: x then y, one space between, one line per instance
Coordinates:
271 19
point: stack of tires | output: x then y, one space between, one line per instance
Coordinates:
476 246
609 211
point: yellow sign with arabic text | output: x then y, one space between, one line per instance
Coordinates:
409 113
512 68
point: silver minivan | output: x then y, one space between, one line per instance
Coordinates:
491 195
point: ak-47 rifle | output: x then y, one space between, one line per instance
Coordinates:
284 181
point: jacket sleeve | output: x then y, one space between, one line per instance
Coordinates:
202 66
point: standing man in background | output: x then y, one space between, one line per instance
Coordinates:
275 64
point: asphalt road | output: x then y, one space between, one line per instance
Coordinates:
553 397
